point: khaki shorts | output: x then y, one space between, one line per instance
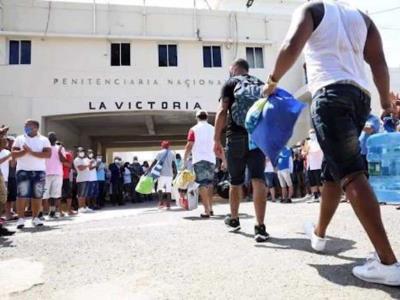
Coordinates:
3 190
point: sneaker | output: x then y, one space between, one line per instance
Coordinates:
260 235
20 223
37 222
204 216
317 243
375 272
52 214
5 232
233 224
81 210
41 216
313 200
88 210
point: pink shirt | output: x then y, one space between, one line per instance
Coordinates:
53 165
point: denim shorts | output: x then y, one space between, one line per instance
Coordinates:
339 113
204 171
239 157
30 184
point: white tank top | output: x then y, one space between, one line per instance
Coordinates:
335 50
203 143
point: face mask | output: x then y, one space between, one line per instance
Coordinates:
81 154
90 155
117 161
28 130
99 159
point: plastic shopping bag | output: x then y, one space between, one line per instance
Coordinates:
145 185
276 123
183 179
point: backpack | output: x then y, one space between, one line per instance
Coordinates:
247 91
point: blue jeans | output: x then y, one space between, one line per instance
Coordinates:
339 113
30 184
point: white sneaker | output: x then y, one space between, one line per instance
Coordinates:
375 272
20 223
81 210
317 243
313 200
37 222
88 210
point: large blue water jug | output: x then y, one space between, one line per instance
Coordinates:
384 166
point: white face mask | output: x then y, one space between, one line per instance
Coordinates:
81 154
90 155
117 161
99 159
313 136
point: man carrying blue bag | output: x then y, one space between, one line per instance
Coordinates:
338 40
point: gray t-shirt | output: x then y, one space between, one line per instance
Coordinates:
167 169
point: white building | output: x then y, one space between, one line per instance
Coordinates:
117 76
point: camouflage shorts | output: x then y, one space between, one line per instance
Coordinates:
204 171
3 190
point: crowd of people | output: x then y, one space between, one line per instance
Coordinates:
327 166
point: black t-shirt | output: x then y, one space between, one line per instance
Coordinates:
228 92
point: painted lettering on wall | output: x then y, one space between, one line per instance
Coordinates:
143 105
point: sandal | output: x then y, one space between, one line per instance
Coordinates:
204 216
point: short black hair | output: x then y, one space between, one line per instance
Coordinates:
34 122
202 117
242 63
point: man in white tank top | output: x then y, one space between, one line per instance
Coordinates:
338 40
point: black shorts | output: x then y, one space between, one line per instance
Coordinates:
239 157
271 179
66 189
314 177
339 113
12 190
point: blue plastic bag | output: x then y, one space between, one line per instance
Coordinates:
276 123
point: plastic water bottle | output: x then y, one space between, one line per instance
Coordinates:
384 166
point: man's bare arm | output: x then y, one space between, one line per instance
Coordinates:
375 57
220 123
188 150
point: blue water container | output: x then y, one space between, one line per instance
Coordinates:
384 166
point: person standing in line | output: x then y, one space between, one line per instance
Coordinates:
66 194
93 184
12 184
168 172
285 164
54 177
341 106
5 159
238 154
271 179
127 178
315 156
298 174
31 151
101 181
200 144
137 171
82 166
116 182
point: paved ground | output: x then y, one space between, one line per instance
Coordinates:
143 253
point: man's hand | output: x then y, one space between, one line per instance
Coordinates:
218 149
224 165
3 130
268 90
26 148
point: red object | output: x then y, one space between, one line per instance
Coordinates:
69 157
190 136
184 203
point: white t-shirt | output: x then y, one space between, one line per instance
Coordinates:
315 156
29 162
5 166
202 136
84 175
93 172
269 168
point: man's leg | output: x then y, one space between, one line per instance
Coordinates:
36 207
329 203
46 207
272 191
235 196
260 203
284 193
205 198
21 207
366 207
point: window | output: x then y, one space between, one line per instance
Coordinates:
255 57
167 56
120 54
20 53
212 56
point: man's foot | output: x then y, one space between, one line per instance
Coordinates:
313 200
317 243
260 235
20 223
5 232
204 216
233 224
37 222
41 216
72 212
81 210
88 210
52 215
374 271
398 207
211 213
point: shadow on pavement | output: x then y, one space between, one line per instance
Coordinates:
335 245
39 229
341 275
5 243
216 217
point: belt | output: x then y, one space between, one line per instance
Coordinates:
350 82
